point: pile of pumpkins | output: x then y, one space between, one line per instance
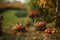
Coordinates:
42 23
41 26
51 31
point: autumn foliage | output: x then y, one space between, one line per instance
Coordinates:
33 13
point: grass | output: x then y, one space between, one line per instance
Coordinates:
10 18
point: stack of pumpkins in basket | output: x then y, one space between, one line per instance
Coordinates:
40 26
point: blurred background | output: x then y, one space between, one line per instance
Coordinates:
25 11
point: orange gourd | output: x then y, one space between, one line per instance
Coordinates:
53 32
46 31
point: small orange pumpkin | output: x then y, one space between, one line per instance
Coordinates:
53 32
46 31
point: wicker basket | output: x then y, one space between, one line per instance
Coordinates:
40 26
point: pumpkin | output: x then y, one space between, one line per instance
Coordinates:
46 31
40 24
17 27
53 32
50 31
